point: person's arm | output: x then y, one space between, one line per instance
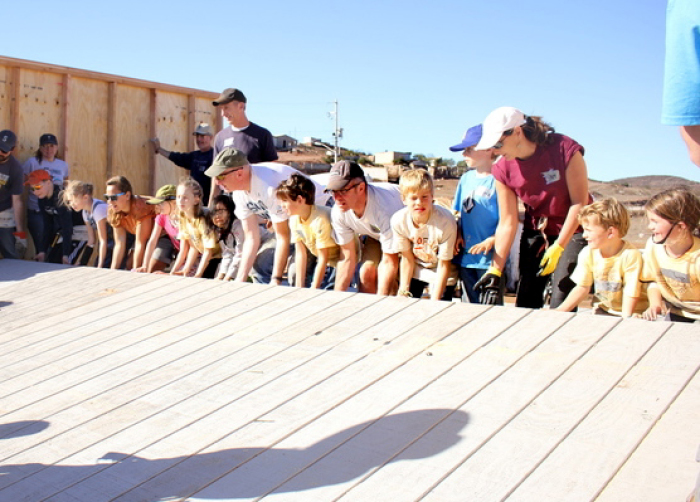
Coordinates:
691 136
175 268
386 273
321 265
346 266
408 263
147 266
119 247
655 303
300 260
577 184
282 239
143 231
251 245
102 238
158 149
192 255
628 305
574 298
507 225
203 262
66 221
18 209
443 273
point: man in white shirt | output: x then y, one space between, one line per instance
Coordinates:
364 210
253 190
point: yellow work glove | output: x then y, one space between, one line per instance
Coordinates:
550 259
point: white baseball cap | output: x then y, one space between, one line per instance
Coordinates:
496 123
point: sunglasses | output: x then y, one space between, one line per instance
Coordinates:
505 134
226 173
35 187
343 191
113 197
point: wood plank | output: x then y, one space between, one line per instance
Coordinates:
499 466
215 431
603 441
663 467
130 414
460 392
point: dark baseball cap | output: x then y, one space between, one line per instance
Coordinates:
8 140
48 139
228 95
342 172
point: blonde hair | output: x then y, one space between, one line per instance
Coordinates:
76 188
196 188
414 180
607 213
676 205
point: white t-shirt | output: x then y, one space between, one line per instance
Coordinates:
383 200
261 200
98 213
433 241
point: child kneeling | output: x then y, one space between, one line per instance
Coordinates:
425 235
310 229
608 262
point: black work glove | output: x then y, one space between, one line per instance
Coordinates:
489 287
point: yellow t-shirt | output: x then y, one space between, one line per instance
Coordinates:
678 278
200 234
315 233
613 278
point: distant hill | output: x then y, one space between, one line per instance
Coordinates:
638 189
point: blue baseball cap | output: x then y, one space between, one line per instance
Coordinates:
471 138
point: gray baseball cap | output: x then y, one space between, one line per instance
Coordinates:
227 158
342 173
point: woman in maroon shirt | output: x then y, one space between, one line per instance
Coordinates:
546 171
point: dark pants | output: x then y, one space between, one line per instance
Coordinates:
417 287
531 287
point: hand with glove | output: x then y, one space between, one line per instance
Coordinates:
20 243
550 259
489 287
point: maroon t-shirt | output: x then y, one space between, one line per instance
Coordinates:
540 181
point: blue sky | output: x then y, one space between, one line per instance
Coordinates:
409 76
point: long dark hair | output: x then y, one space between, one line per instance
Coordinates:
537 130
231 208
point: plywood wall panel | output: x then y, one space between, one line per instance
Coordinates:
40 105
86 150
5 97
131 146
171 117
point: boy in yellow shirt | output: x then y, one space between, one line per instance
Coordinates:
609 262
310 230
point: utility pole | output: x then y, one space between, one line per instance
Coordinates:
337 133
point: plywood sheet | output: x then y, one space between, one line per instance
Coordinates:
40 104
171 128
88 112
5 97
131 149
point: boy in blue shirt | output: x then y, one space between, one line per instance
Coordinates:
475 201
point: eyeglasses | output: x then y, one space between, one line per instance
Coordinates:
113 197
343 191
226 173
505 134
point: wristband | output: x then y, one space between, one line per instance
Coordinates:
21 235
494 271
